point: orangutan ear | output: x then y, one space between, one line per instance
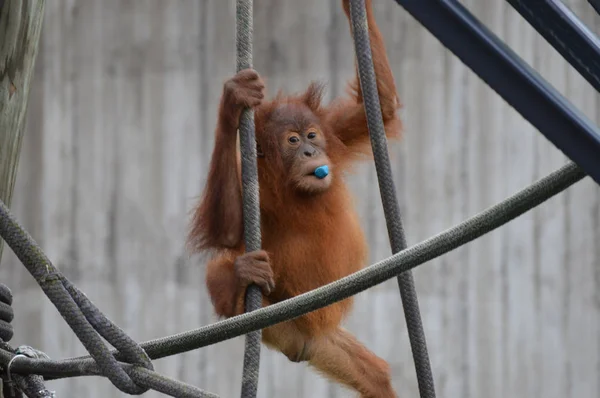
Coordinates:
313 96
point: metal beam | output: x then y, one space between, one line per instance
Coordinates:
566 33
507 74
595 4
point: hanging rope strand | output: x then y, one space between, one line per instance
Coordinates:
368 85
251 209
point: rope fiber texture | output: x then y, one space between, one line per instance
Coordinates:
6 313
433 247
31 385
88 323
251 203
408 293
77 310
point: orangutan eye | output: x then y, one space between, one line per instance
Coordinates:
293 139
311 135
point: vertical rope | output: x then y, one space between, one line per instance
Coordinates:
251 209
368 84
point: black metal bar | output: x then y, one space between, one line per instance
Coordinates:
566 33
595 4
507 74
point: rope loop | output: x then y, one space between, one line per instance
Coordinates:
82 316
32 385
6 313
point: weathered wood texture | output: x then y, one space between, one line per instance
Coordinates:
120 129
20 27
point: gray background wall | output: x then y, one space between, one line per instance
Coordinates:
120 129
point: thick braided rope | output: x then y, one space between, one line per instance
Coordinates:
56 287
251 209
128 347
408 293
164 384
147 378
32 385
6 313
435 246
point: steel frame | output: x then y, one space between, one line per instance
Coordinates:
513 79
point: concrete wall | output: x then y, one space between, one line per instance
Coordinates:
120 130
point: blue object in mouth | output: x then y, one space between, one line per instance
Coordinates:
322 171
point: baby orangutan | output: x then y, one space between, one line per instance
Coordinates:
310 232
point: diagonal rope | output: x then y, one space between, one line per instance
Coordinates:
408 293
433 247
146 378
81 315
251 206
88 323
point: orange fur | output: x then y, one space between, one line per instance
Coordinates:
311 240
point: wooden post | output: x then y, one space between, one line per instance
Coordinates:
20 26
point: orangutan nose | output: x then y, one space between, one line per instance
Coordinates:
309 151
